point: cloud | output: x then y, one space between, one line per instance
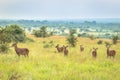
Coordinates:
59 8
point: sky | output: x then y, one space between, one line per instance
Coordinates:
59 9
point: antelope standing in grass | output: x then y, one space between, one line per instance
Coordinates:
94 52
81 48
110 53
65 50
20 51
59 49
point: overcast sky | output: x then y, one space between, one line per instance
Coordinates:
59 9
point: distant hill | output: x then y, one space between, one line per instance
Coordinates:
104 23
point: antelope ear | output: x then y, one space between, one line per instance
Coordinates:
96 48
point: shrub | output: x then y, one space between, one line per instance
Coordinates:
17 34
100 42
51 42
115 39
46 46
71 39
4 48
92 37
107 43
8 34
12 33
44 42
30 40
42 32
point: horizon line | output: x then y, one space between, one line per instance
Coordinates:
59 18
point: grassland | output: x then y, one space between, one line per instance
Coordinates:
48 64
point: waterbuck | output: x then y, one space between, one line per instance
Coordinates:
20 51
94 52
81 48
65 50
59 49
110 53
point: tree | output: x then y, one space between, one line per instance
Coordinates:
115 39
92 37
8 34
42 32
17 34
71 39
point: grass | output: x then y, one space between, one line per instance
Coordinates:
48 64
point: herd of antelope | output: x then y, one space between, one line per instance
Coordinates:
25 51
110 53
62 49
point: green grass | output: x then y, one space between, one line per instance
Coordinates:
48 64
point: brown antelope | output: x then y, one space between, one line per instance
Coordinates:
59 49
94 52
20 51
110 53
81 48
65 50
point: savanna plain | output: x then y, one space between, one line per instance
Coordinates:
45 63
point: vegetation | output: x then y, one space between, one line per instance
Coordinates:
107 43
87 27
12 33
100 42
48 44
47 64
71 39
42 32
92 37
115 39
4 48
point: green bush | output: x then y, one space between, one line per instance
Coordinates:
44 42
92 37
71 39
115 39
4 48
51 42
12 33
17 34
46 46
100 42
30 40
42 32
107 43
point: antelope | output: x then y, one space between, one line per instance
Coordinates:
59 49
20 51
65 50
81 48
110 53
94 52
